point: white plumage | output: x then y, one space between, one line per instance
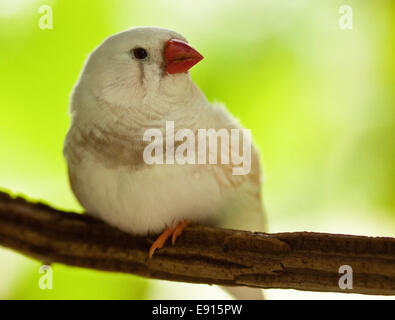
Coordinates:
116 99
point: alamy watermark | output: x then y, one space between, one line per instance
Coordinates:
346 280
346 18
46 20
46 280
199 147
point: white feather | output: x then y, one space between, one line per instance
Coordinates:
123 97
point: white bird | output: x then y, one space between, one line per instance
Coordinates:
134 81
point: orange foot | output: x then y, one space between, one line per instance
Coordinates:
178 230
160 241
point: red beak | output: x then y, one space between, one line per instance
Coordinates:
180 57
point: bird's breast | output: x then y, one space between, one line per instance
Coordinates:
146 200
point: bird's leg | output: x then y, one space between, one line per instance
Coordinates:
174 231
178 230
160 241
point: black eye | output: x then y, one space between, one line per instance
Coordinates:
140 53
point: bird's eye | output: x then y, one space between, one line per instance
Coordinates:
139 53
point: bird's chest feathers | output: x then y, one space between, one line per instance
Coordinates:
121 143
146 199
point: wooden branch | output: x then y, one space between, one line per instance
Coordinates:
202 254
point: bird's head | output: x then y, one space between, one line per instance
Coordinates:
137 65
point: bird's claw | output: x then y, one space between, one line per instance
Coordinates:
178 230
170 231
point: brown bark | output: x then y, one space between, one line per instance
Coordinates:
202 254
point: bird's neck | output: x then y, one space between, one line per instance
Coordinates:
175 98
174 94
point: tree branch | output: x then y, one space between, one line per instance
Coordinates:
202 254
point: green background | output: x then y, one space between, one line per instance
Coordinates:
319 100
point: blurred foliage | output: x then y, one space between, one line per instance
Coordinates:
319 100
77 283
